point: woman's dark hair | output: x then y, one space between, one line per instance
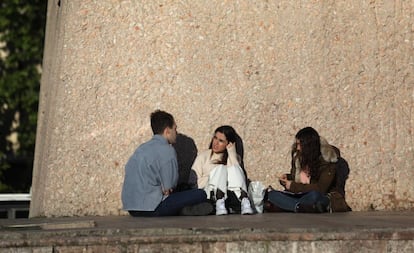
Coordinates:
310 150
161 120
231 136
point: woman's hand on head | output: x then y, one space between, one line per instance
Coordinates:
230 145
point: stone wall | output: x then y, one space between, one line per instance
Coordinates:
268 68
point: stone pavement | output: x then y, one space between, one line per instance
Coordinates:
269 232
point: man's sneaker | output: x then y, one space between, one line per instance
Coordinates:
220 207
201 209
246 208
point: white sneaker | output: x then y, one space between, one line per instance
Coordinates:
220 207
246 207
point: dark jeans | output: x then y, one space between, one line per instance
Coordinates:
174 203
289 202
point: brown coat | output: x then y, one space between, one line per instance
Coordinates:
324 183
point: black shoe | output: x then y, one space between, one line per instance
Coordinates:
219 194
243 194
201 209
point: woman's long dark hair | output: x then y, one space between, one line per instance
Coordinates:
231 136
310 150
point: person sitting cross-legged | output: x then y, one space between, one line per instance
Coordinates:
151 175
312 176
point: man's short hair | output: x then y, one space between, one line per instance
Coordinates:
161 120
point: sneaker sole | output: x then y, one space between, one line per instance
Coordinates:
247 212
222 212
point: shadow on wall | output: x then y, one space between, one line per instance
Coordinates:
186 154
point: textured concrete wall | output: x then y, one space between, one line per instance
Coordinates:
268 68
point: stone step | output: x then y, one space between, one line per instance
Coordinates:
270 232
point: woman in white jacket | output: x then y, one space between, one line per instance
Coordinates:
218 170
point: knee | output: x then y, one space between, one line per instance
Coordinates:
315 195
219 171
272 195
200 193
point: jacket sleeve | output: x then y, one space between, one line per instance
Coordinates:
321 185
233 157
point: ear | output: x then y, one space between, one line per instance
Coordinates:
166 132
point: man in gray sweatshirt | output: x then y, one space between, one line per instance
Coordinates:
151 174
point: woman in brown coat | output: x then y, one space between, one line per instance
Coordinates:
311 178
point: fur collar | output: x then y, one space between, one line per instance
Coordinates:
328 152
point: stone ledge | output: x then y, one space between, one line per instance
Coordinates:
268 232
172 236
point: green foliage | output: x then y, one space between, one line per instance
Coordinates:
22 25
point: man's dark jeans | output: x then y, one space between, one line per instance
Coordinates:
173 204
